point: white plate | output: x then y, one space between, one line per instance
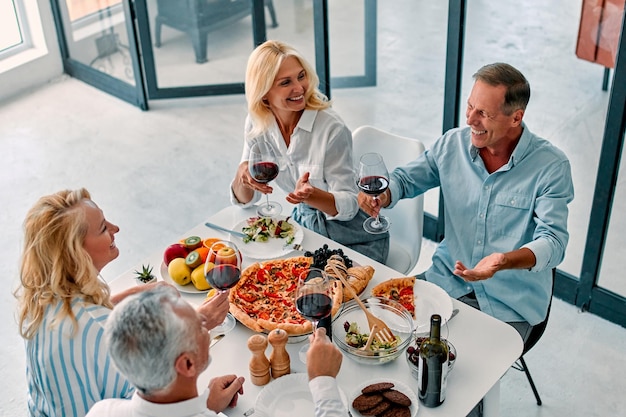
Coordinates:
430 299
288 396
189 288
398 385
272 248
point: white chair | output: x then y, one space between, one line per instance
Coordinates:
407 217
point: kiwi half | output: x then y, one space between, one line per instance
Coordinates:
193 259
192 242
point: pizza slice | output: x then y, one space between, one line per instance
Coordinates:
398 289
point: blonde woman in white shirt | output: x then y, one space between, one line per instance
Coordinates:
286 109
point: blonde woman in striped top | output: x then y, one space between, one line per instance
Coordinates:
63 305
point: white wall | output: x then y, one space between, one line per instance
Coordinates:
40 70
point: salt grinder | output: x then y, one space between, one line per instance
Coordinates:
259 365
280 363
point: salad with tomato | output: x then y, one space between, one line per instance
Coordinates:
262 229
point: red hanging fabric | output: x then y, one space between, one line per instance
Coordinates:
598 33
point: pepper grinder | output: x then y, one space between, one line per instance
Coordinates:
280 363
259 365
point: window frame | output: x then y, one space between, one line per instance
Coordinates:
24 29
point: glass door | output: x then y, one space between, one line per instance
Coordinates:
98 45
602 284
201 47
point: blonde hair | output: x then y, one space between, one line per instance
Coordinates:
55 267
263 66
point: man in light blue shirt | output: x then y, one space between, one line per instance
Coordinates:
506 193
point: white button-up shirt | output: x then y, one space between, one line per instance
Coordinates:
321 144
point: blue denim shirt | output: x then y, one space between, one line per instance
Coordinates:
523 204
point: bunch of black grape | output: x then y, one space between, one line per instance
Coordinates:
321 255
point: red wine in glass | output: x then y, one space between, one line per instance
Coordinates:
314 306
222 271
263 167
373 185
264 172
374 180
223 277
313 299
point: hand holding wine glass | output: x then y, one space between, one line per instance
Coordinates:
263 167
313 298
374 180
222 271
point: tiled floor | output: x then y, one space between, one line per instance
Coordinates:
158 173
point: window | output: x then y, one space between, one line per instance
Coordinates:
14 34
21 33
79 9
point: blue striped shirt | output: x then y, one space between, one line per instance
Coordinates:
66 375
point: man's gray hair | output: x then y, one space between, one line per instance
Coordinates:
145 336
517 88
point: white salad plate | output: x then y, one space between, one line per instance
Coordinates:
430 299
270 249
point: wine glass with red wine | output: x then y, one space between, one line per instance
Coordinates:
374 180
313 299
263 167
222 271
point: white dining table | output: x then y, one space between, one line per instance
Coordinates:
486 347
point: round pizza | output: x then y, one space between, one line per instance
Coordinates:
263 299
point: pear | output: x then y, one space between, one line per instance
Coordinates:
179 271
198 280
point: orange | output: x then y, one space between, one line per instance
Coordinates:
204 252
207 243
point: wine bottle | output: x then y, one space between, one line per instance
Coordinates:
433 366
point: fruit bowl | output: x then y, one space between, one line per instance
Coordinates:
397 318
413 352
